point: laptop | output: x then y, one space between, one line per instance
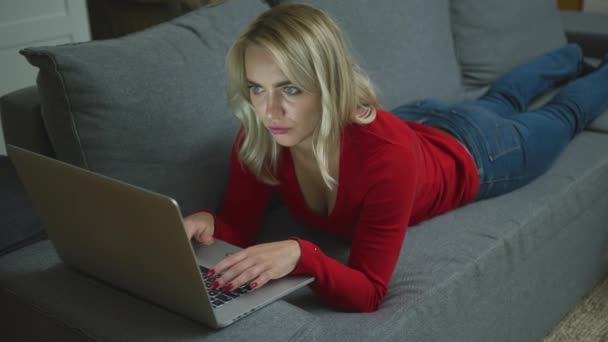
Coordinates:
134 239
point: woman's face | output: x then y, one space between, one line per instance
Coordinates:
289 114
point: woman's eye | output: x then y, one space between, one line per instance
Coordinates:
291 90
255 89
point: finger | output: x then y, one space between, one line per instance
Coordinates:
189 230
230 260
230 269
244 277
261 280
205 239
236 271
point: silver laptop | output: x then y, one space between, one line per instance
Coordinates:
135 239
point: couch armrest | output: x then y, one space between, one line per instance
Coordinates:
22 121
19 223
589 30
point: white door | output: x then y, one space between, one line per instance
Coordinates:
25 23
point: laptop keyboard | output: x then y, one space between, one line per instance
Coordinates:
217 296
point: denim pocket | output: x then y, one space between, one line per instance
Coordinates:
498 135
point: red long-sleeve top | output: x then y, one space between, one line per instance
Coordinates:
392 174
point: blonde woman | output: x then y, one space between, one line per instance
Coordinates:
312 130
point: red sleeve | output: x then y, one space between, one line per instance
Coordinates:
362 283
245 202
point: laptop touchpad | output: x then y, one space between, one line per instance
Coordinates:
209 256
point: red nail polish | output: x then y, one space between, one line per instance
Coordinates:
215 285
227 288
211 273
253 285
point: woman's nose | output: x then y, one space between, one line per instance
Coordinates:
273 106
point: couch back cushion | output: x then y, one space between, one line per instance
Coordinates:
148 108
405 46
492 36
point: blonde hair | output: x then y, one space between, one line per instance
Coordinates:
311 51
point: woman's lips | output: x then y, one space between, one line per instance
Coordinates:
278 130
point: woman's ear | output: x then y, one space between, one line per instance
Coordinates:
364 114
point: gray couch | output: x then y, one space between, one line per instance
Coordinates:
149 108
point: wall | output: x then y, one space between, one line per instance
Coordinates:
26 23
596 6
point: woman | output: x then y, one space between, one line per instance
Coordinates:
313 131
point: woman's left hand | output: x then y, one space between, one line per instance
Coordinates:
257 265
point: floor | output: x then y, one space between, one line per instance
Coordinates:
587 322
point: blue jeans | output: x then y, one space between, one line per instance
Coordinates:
512 146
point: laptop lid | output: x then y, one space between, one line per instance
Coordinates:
132 238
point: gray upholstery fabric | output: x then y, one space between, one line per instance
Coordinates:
22 123
148 108
589 30
600 124
19 223
387 44
502 269
492 36
463 275
35 277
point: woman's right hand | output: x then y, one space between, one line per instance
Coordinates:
200 226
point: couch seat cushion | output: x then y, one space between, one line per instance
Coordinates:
600 124
464 273
34 277
453 273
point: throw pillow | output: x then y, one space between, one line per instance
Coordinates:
148 108
493 36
